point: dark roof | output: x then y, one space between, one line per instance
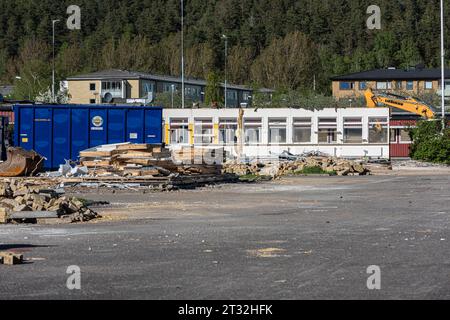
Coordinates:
115 74
394 74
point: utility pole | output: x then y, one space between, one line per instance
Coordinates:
226 69
442 68
182 53
53 71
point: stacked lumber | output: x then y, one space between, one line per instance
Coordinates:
132 159
146 160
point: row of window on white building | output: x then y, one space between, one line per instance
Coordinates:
302 131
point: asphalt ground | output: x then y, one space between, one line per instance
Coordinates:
297 238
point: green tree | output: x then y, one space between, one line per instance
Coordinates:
213 92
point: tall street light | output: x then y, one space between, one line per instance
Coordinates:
442 67
226 71
182 53
53 71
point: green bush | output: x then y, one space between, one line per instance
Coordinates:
314 170
429 144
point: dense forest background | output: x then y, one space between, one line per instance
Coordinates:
282 44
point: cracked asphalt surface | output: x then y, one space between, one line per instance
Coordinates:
298 238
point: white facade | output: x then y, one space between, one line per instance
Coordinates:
347 133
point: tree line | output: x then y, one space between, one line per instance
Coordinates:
282 44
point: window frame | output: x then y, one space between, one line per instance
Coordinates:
253 124
384 123
279 124
351 85
179 125
205 138
228 124
331 130
302 124
353 123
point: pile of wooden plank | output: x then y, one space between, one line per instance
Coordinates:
131 158
138 160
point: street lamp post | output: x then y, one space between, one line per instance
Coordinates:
182 53
53 71
442 68
226 71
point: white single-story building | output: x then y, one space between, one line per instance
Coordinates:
347 133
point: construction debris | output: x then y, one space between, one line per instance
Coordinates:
22 201
137 160
21 163
10 258
330 165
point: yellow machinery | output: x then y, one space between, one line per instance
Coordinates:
395 101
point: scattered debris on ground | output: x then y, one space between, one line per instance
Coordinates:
328 165
24 201
10 258
414 164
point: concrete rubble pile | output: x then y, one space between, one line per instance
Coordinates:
22 201
330 165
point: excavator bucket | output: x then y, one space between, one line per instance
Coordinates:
21 163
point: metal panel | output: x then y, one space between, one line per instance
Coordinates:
135 126
61 136
43 135
80 131
116 125
60 132
153 126
98 124
24 131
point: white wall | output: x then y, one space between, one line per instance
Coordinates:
338 149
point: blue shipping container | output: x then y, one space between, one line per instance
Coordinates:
60 132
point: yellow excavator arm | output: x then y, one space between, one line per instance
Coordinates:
394 101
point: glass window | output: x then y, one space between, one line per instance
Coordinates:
353 130
246 96
203 131
384 85
252 130
410 85
302 130
362 85
378 130
346 85
92 86
179 131
232 95
168 87
428 85
405 136
393 135
327 130
228 131
277 131
399 85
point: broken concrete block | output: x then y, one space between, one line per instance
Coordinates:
10 258
4 215
22 208
9 203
